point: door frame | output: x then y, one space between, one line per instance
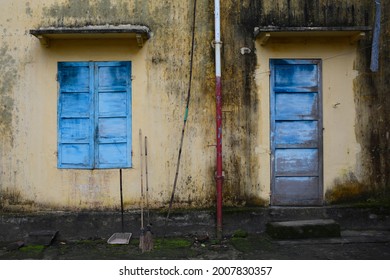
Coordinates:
320 198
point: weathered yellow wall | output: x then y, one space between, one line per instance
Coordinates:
341 149
98 188
28 100
29 174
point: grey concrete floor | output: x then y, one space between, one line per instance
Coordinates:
365 234
352 245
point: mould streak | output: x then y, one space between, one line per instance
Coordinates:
80 13
8 78
28 9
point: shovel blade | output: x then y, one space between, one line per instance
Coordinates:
120 238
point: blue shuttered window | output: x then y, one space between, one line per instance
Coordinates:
94 115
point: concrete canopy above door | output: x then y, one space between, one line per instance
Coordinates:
264 34
128 31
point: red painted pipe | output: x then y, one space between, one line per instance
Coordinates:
219 174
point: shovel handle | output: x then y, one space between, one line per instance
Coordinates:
142 181
120 184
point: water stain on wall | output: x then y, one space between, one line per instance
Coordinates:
8 79
80 13
373 109
29 11
347 189
11 200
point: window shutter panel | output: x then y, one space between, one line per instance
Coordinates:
75 115
113 114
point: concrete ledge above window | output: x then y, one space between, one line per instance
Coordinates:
127 31
355 33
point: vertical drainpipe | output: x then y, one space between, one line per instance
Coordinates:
376 38
218 93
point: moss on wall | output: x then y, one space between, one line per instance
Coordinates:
346 190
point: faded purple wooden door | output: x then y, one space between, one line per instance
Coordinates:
296 132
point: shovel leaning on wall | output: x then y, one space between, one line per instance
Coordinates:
120 237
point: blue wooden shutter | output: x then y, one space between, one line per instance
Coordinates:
94 115
75 115
113 114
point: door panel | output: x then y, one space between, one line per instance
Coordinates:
296 162
296 132
295 77
289 190
286 134
296 106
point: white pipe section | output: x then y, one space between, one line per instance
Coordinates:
217 40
